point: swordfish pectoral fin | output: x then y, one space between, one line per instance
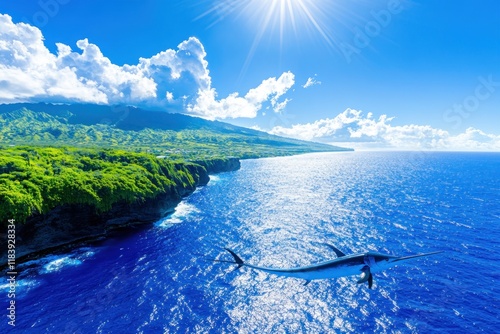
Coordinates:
366 276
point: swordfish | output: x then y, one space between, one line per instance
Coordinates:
363 264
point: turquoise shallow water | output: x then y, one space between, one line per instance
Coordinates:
277 212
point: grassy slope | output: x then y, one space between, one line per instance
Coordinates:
172 135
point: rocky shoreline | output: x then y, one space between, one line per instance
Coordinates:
69 225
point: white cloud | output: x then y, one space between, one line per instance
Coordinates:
311 82
474 139
29 72
271 88
352 128
169 96
28 69
118 83
188 59
279 107
233 106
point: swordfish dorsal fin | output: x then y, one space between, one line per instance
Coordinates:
336 250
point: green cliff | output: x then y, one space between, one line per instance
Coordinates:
76 172
64 195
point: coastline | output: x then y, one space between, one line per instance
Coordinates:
67 226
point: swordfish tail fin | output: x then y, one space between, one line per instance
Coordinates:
237 259
414 256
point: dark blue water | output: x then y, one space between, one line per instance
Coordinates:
278 212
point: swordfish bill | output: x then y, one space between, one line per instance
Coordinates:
363 264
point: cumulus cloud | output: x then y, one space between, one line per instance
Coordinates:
279 107
29 72
311 82
28 69
169 96
352 128
271 88
234 106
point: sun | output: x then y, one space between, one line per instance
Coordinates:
284 18
266 15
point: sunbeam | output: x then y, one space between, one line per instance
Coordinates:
285 19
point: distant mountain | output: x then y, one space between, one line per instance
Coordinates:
124 117
139 129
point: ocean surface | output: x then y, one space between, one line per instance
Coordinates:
279 212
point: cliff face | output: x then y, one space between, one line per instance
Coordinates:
69 224
214 166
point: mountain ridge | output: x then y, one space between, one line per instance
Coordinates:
159 132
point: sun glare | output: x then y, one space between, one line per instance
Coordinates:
285 19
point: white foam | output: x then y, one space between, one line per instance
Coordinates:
55 263
400 226
60 263
50 262
214 179
22 285
181 213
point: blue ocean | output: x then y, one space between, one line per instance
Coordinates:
279 212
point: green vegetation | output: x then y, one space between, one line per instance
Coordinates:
54 155
36 179
174 136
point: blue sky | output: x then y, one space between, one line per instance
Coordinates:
393 74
